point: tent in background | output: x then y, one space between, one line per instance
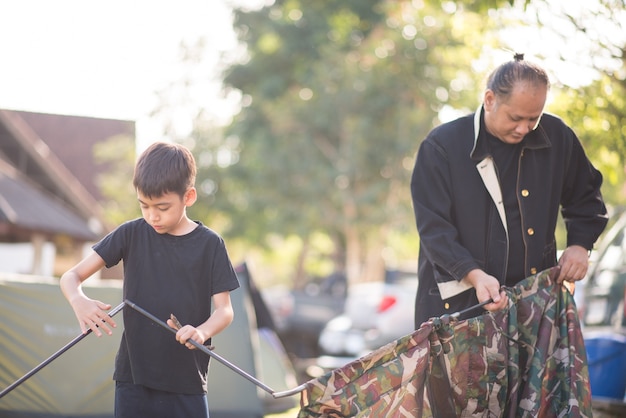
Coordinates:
37 321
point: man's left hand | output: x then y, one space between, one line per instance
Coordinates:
574 263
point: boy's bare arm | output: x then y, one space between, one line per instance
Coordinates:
91 314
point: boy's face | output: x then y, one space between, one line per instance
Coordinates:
167 213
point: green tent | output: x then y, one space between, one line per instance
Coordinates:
36 321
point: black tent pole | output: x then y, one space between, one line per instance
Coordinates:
217 357
204 349
55 355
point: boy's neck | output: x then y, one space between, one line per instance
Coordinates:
185 227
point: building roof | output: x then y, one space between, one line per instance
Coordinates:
57 131
24 209
38 191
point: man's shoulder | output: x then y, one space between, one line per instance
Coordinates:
552 120
462 126
556 129
554 124
456 136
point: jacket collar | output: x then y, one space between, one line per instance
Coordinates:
536 139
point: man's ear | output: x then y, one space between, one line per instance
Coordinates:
489 100
190 197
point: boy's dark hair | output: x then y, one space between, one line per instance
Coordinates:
507 75
164 167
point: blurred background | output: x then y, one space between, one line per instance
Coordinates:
304 118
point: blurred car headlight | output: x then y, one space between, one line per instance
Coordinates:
354 344
333 336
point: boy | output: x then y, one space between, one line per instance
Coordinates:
171 265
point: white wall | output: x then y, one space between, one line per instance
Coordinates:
18 258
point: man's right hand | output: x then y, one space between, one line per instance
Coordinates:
487 287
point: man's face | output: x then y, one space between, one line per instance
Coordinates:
510 119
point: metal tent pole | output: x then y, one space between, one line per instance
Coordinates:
217 357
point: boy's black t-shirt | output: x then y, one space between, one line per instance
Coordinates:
166 274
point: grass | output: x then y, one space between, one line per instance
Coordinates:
292 413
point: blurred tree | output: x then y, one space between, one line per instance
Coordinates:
598 114
597 109
586 61
336 95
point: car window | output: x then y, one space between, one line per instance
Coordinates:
605 291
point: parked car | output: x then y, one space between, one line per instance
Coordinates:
603 312
300 315
376 313
604 288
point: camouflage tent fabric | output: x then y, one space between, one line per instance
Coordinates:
527 360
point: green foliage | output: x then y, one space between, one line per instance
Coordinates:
597 113
337 96
483 6
587 37
597 109
118 155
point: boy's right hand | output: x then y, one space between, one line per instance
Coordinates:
92 315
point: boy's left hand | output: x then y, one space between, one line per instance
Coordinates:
186 333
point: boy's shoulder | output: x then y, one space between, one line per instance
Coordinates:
132 224
135 222
140 226
204 230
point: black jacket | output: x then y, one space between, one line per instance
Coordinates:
460 217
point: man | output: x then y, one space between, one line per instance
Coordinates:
487 189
